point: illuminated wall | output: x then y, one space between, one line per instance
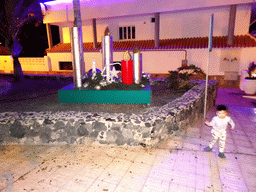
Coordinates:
6 63
178 19
65 34
151 60
193 23
168 60
112 8
243 16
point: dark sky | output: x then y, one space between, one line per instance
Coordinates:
253 18
34 40
253 14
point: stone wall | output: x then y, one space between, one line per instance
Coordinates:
147 128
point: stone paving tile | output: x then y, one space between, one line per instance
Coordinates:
246 150
155 185
243 143
78 184
133 182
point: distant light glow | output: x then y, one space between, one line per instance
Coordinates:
61 1
59 5
93 2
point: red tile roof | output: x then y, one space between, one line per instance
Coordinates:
4 51
182 43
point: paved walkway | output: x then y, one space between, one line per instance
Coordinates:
177 165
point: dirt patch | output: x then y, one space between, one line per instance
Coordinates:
42 95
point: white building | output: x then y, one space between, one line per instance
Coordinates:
167 32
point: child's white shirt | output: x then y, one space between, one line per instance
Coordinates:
220 125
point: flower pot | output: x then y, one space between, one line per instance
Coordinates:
250 86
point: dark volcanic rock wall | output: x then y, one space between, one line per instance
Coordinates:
147 128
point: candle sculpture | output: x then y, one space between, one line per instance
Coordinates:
107 48
93 68
137 65
127 69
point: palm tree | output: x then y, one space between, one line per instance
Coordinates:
14 14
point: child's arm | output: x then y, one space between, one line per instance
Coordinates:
211 123
231 122
207 123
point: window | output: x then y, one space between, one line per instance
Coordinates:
65 65
126 32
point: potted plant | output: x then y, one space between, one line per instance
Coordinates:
179 79
250 82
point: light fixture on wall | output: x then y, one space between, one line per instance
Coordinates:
225 59
235 59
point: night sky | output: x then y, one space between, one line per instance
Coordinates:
33 40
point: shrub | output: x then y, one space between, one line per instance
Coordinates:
179 79
252 71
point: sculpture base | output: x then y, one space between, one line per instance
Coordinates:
70 95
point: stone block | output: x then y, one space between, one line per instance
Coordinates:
94 134
17 130
127 133
146 135
47 121
82 130
98 126
111 136
131 126
116 128
45 134
120 139
35 127
59 125
71 130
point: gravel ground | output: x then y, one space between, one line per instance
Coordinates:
41 95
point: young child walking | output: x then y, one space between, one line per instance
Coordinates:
219 125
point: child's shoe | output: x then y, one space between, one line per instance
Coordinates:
221 155
207 149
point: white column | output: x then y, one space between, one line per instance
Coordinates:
157 29
137 67
76 58
77 46
94 26
49 35
231 24
107 46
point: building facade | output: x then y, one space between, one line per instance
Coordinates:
167 32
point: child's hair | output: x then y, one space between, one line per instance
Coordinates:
222 108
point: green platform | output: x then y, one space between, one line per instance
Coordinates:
69 95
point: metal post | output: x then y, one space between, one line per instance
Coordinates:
49 35
94 26
77 47
157 27
107 50
208 61
231 24
77 76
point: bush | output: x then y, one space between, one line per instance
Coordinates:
179 79
252 71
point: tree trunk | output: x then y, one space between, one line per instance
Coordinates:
18 73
